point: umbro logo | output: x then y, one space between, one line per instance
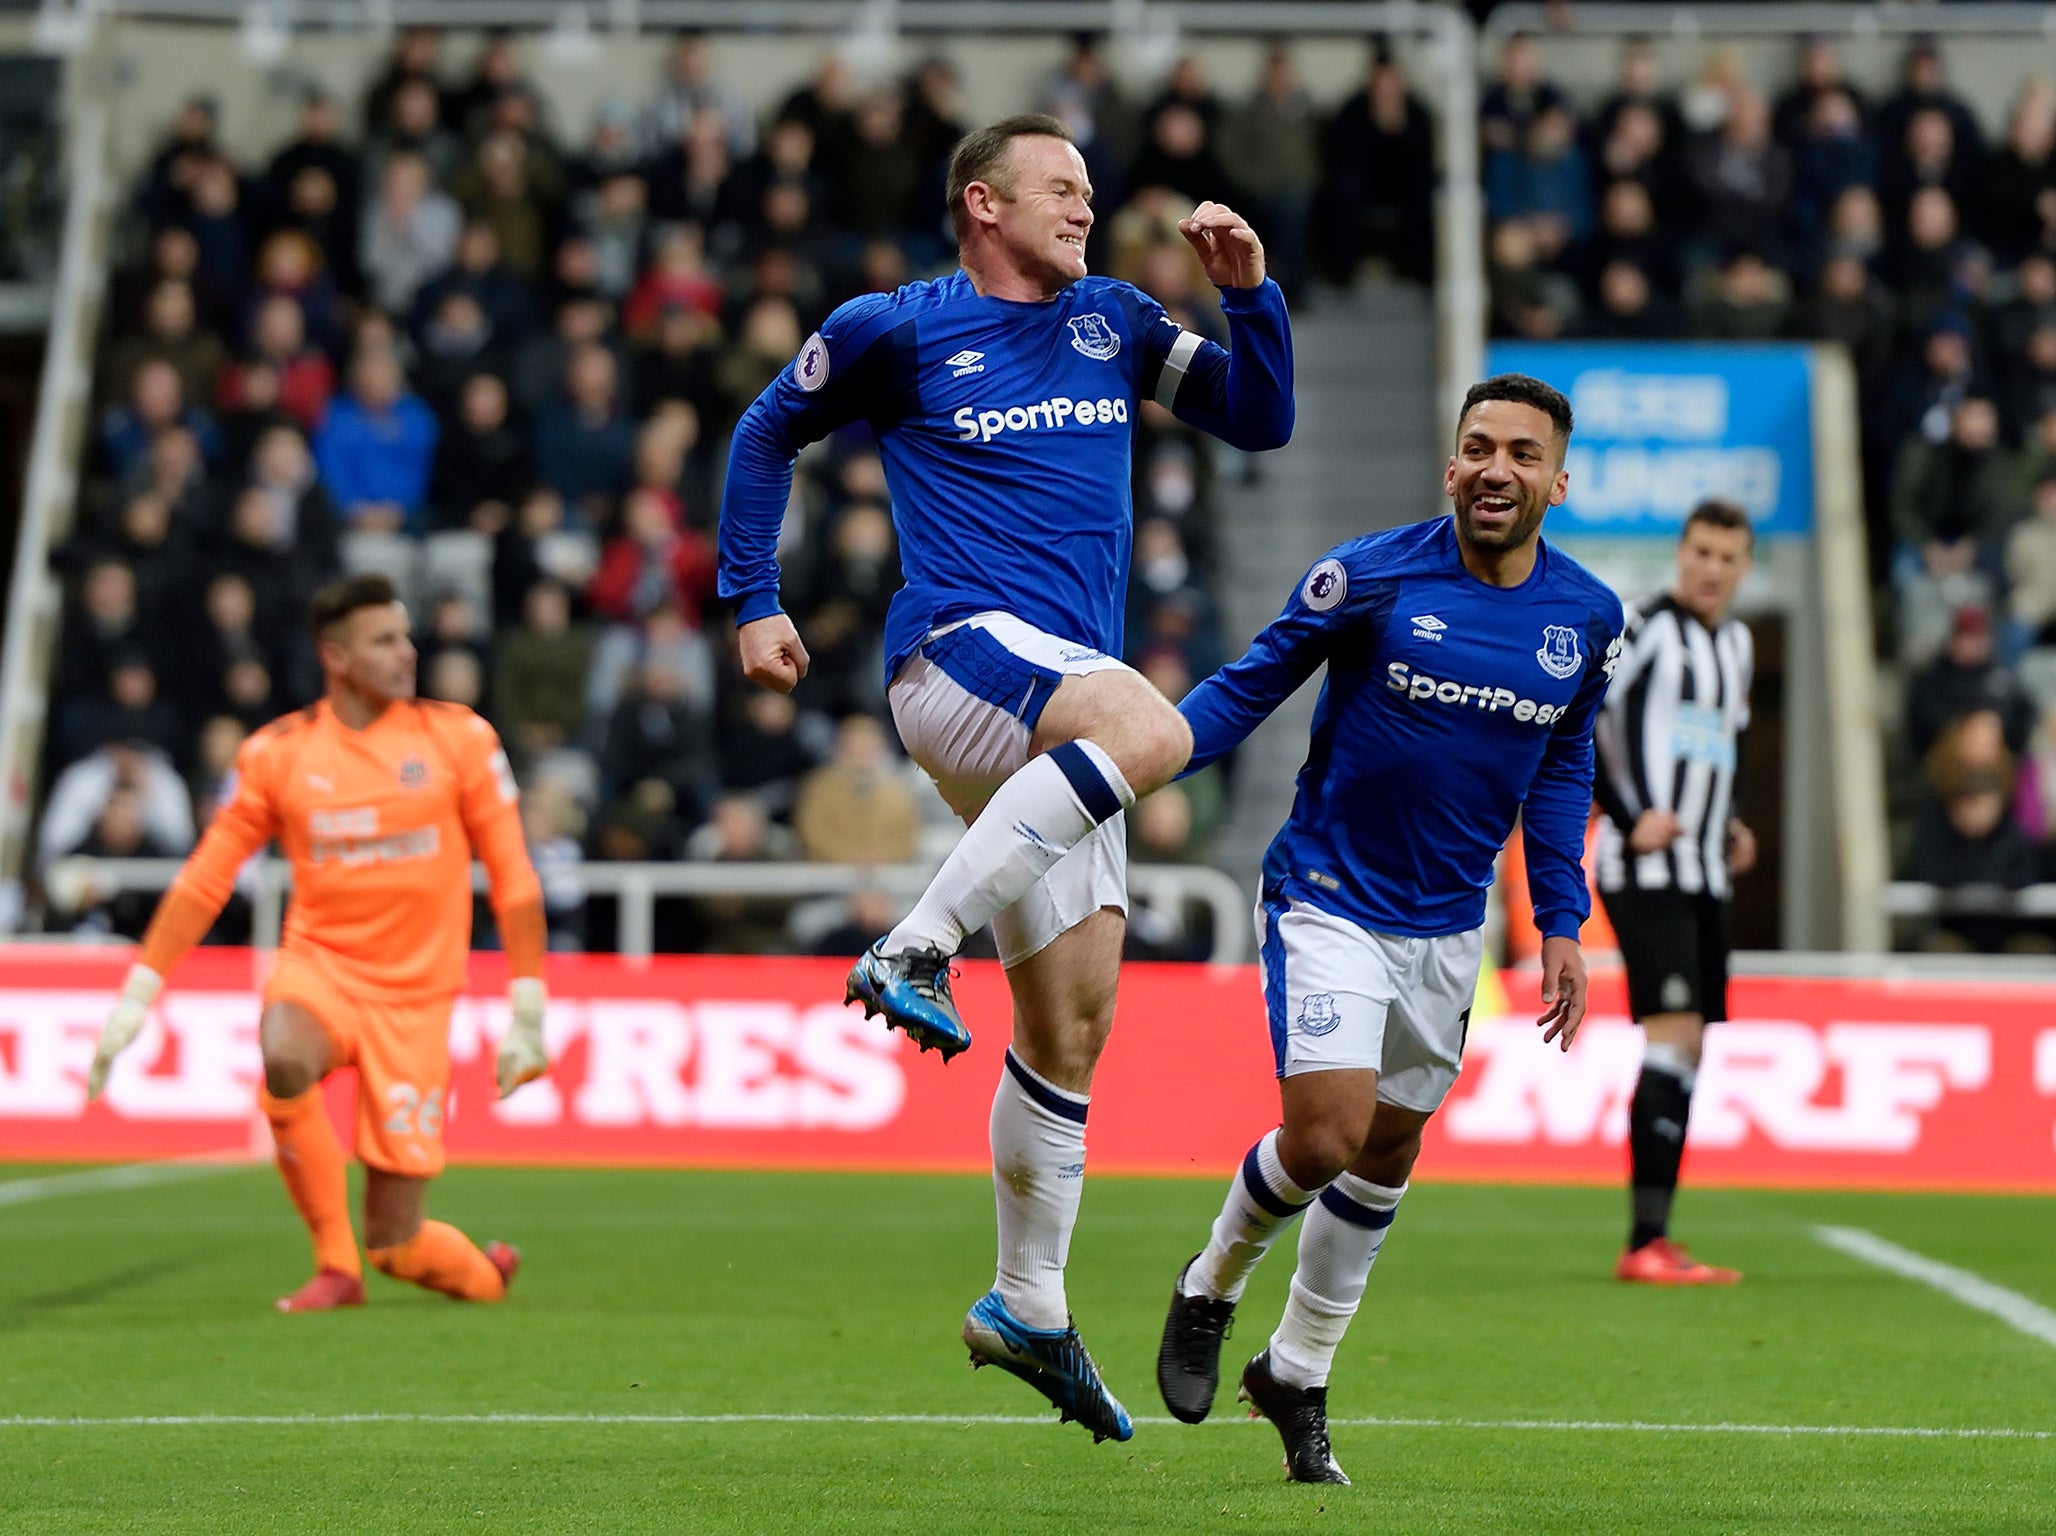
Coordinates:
1428 627
965 362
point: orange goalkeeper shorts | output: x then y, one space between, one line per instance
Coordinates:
401 1051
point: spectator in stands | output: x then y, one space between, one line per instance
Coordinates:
1965 834
456 675
414 125
1746 299
104 623
1831 155
934 115
130 710
230 631
770 336
584 441
692 92
1526 299
376 448
85 904
283 561
2038 456
456 343
1849 307
415 54
1927 158
539 675
160 551
1923 88
479 269
167 189
677 279
846 603
220 226
1628 309
869 916
691 182
1179 154
857 807
170 332
1638 128
410 233
614 219
2031 574
305 378
1547 185
220 739
482 464
1820 78
738 831
495 76
1927 264
303 514
652 563
1517 97
1083 93
82 791
1629 233
877 184
2018 208
654 733
1378 179
156 400
173 256
515 196
1271 152
1951 501
1742 181
1965 679
766 743
316 150
289 263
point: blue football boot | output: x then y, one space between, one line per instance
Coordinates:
1053 1361
912 991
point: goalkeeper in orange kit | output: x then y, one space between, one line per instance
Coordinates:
379 801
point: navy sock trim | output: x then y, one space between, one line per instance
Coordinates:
1041 1092
1262 1193
1355 1212
1090 785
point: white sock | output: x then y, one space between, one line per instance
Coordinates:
1038 1174
1032 820
1337 1246
1262 1199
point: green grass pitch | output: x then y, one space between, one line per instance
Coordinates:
1491 1324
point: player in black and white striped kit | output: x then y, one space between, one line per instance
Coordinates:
1669 745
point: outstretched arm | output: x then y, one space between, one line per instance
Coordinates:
239 829
1235 700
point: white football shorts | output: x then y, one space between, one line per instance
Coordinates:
1339 997
966 705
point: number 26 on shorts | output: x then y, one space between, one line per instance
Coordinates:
412 1113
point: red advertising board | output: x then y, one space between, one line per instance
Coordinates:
753 1062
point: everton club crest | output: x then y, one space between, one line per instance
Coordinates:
1559 653
1092 335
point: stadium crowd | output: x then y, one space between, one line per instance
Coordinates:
1899 229
436 334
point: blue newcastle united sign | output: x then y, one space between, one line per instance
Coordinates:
1662 426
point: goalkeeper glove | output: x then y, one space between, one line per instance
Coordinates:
138 992
523 1056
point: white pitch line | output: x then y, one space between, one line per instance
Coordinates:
121 1176
1573 1426
2010 1307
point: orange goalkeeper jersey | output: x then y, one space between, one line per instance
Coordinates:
380 826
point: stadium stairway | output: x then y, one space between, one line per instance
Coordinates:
1366 454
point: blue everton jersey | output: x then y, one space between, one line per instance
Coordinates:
1451 707
1005 430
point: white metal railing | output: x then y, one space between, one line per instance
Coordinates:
266 881
1618 19
1911 898
50 487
